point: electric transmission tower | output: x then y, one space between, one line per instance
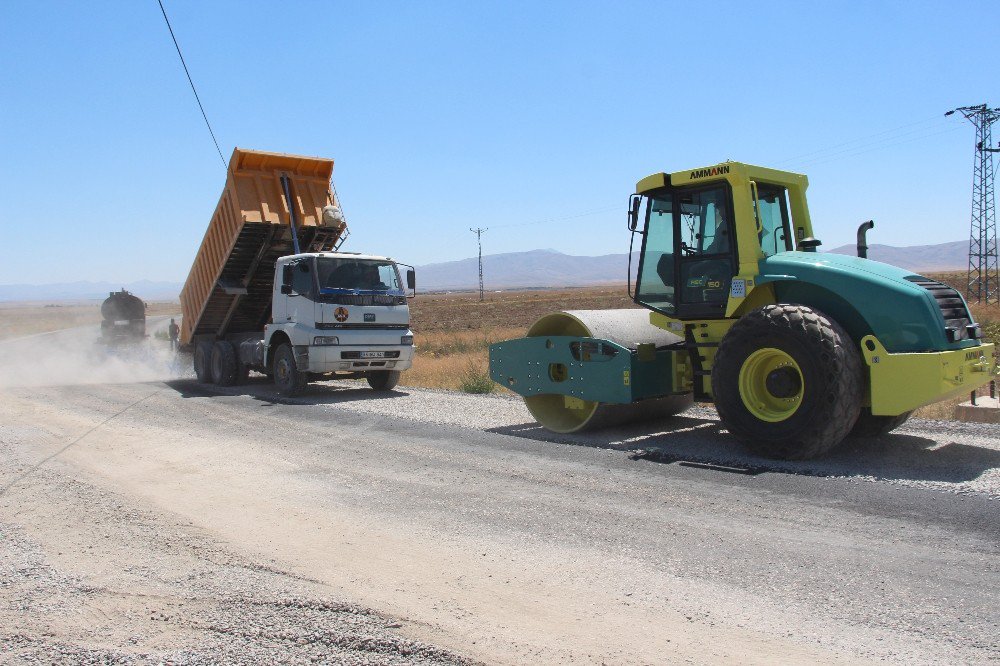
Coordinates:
479 239
984 281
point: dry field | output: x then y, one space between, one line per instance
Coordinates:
20 319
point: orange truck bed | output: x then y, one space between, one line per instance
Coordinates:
229 288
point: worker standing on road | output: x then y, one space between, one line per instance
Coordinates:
173 331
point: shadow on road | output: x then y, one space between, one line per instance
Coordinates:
696 441
262 390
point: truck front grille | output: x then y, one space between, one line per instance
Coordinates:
949 301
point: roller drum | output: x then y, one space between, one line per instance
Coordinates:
628 328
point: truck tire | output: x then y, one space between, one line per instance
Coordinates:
287 377
869 425
224 370
788 382
383 380
203 361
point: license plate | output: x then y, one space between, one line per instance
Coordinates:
372 354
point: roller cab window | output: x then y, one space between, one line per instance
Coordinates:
687 260
773 229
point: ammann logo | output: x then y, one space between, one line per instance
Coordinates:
714 171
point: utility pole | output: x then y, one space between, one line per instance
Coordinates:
479 239
984 280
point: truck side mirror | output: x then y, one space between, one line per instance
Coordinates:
411 279
286 277
633 212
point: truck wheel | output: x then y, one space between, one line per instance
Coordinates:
203 361
384 380
287 377
869 425
788 382
224 368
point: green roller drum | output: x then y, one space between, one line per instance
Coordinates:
587 369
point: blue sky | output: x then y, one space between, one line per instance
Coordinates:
532 119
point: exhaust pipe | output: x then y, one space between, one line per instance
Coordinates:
862 238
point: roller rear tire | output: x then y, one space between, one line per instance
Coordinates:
788 382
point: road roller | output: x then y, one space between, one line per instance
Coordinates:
797 349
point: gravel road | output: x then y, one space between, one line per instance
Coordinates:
156 521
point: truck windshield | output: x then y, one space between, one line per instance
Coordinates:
349 275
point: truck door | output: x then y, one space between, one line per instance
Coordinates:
297 305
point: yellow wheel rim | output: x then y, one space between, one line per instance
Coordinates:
771 384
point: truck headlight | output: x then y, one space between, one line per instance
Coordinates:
325 340
406 340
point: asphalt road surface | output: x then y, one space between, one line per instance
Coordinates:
166 521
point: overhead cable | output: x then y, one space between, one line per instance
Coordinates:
193 89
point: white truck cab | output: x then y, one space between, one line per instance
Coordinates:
338 312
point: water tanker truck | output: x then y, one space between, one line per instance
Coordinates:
797 349
123 319
270 290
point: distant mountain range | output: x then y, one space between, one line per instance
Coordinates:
536 268
928 258
548 268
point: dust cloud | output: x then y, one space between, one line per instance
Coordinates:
77 356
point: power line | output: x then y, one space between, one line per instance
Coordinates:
879 145
860 139
198 99
479 238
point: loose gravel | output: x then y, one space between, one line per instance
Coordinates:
946 456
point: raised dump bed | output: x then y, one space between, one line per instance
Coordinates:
228 290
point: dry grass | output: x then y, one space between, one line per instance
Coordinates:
445 358
20 319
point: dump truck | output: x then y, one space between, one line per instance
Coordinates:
271 291
797 349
